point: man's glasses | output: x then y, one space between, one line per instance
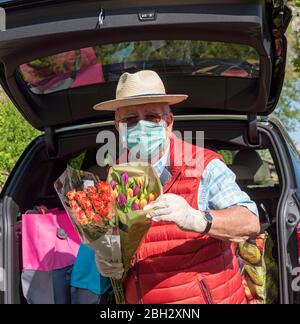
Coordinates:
133 120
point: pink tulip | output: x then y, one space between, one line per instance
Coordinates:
136 190
125 178
135 206
122 199
113 184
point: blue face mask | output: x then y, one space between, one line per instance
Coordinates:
145 139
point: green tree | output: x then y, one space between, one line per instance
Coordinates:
296 26
288 109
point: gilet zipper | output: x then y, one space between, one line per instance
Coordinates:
205 292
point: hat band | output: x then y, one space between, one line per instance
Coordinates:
145 95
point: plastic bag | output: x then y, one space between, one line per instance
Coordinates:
260 270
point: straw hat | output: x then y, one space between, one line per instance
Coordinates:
140 88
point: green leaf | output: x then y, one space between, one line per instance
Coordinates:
132 183
123 188
111 223
76 163
130 202
116 177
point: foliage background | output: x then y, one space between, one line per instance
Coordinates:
16 133
288 109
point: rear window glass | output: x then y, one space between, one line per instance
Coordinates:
105 63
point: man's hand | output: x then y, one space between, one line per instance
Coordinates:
235 224
174 208
109 269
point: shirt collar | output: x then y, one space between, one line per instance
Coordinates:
160 165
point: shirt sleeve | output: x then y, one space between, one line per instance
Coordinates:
219 190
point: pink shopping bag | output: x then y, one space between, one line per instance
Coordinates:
49 241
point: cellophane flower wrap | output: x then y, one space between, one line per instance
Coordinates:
90 205
109 216
134 186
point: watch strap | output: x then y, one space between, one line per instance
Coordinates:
208 218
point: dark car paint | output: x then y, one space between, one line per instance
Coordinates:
293 208
249 23
288 213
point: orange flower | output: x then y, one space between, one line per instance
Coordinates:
129 193
138 181
71 194
103 188
91 190
151 198
115 194
79 195
143 203
92 207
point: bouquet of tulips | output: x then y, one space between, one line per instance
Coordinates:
134 186
109 216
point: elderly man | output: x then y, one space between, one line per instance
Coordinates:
189 253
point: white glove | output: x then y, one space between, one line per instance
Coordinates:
113 270
174 208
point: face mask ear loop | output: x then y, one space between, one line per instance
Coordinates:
123 131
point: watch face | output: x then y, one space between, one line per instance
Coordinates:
208 218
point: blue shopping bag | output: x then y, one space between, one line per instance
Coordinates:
88 285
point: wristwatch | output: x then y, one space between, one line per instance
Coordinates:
209 220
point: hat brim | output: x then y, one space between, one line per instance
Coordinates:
113 105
